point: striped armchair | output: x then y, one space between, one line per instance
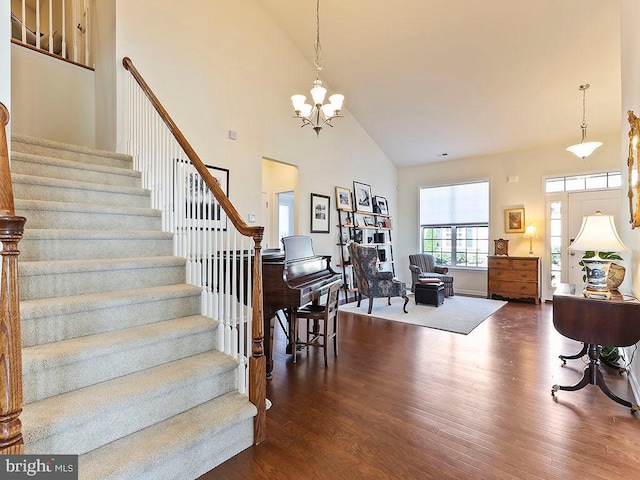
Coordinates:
423 265
372 282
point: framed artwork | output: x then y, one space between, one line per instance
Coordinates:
362 197
320 213
201 210
343 199
514 220
380 205
368 221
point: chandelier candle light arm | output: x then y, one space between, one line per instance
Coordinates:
584 148
319 113
597 233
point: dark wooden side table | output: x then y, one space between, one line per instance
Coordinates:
594 322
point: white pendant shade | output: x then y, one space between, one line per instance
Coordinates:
583 150
318 93
337 100
298 102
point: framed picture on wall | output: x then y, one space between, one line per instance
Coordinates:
362 197
343 199
193 199
380 205
514 220
320 213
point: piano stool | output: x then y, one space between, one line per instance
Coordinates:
317 325
429 293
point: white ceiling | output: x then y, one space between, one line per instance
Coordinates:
464 77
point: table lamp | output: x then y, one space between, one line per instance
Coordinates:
597 233
530 233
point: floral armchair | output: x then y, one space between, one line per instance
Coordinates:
372 282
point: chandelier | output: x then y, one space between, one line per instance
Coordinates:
584 148
319 114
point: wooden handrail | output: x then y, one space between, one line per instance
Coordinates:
11 230
257 363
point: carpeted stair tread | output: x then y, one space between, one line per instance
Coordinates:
41 146
48 320
45 307
50 205
61 278
46 188
103 412
46 166
19 178
70 234
96 265
67 244
182 447
55 214
59 367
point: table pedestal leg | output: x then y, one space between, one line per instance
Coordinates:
564 358
593 376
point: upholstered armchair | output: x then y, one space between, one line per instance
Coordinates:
423 265
372 282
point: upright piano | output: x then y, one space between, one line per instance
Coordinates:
290 280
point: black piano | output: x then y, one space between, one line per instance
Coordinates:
290 280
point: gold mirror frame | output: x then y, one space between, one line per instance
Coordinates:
634 134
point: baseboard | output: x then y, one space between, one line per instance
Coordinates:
631 376
471 293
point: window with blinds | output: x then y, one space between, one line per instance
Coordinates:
454 224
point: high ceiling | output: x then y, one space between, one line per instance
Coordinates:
464 77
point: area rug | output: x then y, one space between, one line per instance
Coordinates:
457 314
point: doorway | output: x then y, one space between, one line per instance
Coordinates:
279 209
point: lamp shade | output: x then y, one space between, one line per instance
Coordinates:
530 231
584 149
598 233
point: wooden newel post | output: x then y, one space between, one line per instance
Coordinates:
257 361
11 229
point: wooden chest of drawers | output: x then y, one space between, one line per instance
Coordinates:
514 277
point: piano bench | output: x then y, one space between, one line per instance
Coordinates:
429 293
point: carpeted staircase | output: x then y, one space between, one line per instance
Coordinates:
119 365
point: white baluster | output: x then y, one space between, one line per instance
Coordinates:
75 30
50 26
24 21
64 28
37 23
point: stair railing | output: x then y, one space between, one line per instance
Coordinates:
208 231
11 230
60 27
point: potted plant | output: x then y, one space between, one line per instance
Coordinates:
616 272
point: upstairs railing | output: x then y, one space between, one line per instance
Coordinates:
58 27
222 251
11 229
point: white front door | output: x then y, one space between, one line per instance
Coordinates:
580 205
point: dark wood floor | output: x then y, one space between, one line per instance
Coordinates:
408 402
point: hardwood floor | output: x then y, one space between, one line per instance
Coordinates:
408 402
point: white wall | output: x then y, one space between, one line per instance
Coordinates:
220 66
530 166
52 99
630 17
106 65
